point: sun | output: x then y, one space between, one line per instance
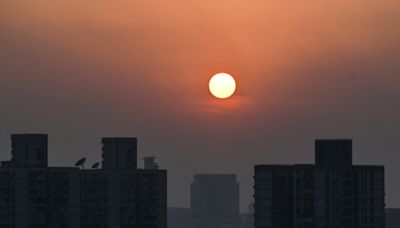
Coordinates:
222 85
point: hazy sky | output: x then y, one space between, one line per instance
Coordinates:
81 70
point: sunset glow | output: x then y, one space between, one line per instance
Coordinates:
222 85
159 70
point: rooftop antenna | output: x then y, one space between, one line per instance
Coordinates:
81 162
95 165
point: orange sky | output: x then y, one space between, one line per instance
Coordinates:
305 69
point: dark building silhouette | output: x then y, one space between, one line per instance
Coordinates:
215 201
117 195
119 153
392 217
152 198
333 193
29 150
334 153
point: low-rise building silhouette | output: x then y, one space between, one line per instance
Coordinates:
215 201
117 195
333 193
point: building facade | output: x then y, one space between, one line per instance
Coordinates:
333 193
33 195
215 201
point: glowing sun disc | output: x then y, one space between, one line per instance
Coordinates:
222 85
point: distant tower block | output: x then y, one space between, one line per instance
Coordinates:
215 201
119 153
150 163
29 150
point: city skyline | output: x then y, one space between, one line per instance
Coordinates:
80 71
331 192
149 162
117 194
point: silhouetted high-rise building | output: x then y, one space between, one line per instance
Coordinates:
119 153
33 194
151 198
333 193
215 201
118 195
334 153
29 150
